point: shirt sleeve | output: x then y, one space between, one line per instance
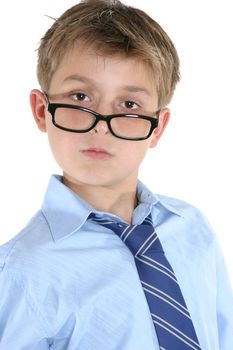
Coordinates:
224 301
21 326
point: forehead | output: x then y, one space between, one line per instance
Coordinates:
87 64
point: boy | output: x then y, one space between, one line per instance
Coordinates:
70 280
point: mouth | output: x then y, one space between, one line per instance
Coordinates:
96 153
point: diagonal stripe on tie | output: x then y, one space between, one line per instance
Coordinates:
176 332
172 321
164 296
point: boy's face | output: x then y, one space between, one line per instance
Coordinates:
107 85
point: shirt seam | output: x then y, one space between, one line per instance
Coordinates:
8 252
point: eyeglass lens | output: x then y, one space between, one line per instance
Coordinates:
79 120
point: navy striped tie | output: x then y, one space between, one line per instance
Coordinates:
172 321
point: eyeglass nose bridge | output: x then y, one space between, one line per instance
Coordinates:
101 117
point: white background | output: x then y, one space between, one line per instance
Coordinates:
193 160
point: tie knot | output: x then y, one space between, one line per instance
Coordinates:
138 238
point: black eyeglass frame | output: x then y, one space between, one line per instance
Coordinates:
107 118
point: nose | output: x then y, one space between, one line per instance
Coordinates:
102 126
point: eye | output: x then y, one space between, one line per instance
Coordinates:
80 96
130 105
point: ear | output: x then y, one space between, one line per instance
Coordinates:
38 105
164 118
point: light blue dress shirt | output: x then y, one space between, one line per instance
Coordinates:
70 284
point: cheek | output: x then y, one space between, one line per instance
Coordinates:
134 152
63 144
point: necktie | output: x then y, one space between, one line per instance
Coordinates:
172 321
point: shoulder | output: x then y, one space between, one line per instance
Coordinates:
25 267
34 235
21 284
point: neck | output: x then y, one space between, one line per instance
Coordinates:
113 199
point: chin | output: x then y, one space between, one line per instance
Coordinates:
93 176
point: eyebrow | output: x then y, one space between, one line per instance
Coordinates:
78 78
132 88
128 88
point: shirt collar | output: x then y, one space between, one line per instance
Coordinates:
156 201
66 212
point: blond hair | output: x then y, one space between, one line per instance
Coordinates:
113 28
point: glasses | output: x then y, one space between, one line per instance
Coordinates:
79 119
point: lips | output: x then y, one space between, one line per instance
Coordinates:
96 153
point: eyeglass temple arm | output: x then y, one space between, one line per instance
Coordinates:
46 96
